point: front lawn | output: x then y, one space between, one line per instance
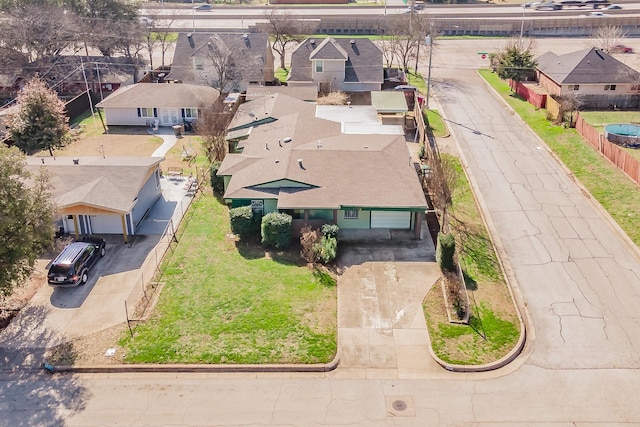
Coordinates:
494 327
223 303
617 193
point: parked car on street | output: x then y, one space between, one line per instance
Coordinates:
620 48
72 265
203 7
613 7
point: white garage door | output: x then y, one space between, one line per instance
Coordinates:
106 224
390 219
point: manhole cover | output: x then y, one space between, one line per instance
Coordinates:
399 405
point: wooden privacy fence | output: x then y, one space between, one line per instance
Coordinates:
616 155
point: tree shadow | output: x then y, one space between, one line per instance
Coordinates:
33 396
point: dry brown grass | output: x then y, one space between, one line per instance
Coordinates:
334 98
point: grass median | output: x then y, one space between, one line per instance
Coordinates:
225 302
494 327
617 193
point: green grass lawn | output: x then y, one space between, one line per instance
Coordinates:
281 74
435 123
223 303
617 193
494 328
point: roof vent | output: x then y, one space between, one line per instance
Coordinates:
76 161
277 161
189 35
245 36
312 41
266 145
287 139
300 163
319 145
280 143
352 41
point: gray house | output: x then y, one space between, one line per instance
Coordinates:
102 195
351 65
247 58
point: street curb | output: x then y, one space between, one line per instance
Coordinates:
510 278
157 368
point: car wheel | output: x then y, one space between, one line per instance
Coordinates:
103 251
84 278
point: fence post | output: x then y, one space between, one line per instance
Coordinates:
126 311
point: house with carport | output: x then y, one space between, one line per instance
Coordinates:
162 104
97 195
306 166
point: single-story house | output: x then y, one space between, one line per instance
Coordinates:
598 79
306 166
98 195
164 103
246 59
350 65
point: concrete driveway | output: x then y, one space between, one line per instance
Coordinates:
381 327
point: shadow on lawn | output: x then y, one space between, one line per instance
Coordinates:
252 249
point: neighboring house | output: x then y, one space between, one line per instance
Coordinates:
166 103
306 166
351 65
198 58
598 79
98 195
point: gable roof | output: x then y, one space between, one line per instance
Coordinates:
111 183
161 95
329 49
363 64
587 66
319 167
249 49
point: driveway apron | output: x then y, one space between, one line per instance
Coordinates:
381 326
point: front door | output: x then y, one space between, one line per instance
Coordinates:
169 116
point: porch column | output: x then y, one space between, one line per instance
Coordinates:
418 225
124 228
306 216
335 216
75 225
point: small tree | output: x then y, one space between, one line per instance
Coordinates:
445 252
308 239
27 213
516 61
39 122
568 104
211 126
241 219
608 37
327 249
441 181
277 229
217 182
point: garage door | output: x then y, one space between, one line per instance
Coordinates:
106 224
390 219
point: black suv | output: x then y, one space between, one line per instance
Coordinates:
71 266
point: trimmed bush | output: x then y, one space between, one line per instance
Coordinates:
330 230
445 251
326 249
277 229
217 182
241 219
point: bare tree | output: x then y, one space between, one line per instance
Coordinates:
164 38
221 59
441 181
212 126
608 37
401 38
568 104
286 29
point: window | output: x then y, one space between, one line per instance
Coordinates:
319 66
609 87
146 112
199 63
574 87
191 113
351 214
